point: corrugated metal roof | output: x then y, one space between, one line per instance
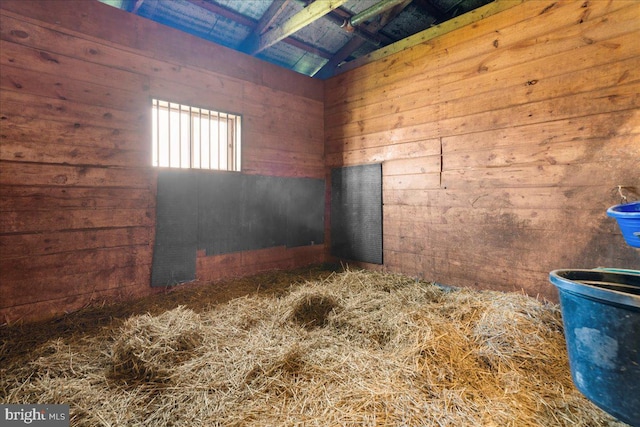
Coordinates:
315 49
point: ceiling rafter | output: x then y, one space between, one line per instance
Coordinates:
453 24
368 39
352 45
251 23
265 22
270 16
226 12
306 16
136 6
308 47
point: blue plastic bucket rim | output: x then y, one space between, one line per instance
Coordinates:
569 280
625 210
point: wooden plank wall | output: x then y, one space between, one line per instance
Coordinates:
503 142
77 193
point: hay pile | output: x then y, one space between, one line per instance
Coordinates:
358 348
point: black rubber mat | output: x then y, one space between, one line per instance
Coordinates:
230 212
356 213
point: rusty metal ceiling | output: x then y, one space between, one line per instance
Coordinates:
315 38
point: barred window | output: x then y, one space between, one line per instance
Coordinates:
196 138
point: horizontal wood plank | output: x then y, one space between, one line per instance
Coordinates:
39 310
218 267
34 268
605 150
111 278
598 127
50 242
71 219
618 98
62 87
411 181
410 220
31 174
275 141
25 198
55 64
613 173
42 152
33 107
34 129
418 165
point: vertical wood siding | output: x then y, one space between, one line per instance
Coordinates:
77 193
503 144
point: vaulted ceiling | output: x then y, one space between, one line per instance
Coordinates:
317 38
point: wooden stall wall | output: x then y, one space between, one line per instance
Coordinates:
77 191
503 142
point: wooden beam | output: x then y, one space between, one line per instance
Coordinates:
343 53
223 11
307 47
269 17
306 16
134 5
329 68
265 22
431 33
251 23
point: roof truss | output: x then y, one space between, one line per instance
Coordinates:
367 27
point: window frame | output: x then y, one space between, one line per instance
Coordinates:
188 148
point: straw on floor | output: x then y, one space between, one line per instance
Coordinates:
355 348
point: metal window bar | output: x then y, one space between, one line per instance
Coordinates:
218 140
157 133
169 135
199 138
234 126
227 145
179 136
210 145
192 148
236 142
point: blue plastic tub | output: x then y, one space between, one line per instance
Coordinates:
628 217
601 316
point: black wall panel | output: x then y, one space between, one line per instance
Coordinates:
220 198
230 212
174 255
356 213
264 209
305 212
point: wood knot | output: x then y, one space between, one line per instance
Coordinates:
47 57
60 179
19 34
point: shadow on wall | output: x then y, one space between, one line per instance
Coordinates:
603 243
